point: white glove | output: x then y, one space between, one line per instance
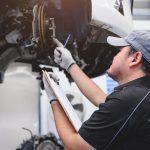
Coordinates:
48 89
63 57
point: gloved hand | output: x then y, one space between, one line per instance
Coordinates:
48 89
62 56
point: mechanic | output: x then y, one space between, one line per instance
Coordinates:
122 121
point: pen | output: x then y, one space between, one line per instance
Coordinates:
67 40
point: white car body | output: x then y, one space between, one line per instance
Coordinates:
105 15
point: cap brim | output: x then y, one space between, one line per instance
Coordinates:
115 41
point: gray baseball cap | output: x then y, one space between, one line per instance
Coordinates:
138 39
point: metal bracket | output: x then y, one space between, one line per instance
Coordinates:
52 27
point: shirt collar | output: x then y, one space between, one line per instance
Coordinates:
143 80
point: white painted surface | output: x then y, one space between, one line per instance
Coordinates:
19 95
111 19
44 106
142 24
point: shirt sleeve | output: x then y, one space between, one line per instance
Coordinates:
104 123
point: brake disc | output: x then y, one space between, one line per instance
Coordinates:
43 26
41 20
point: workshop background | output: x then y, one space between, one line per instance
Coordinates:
23 104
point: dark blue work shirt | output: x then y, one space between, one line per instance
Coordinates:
104 123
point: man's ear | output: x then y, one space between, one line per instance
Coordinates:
135 59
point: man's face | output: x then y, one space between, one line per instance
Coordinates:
120 63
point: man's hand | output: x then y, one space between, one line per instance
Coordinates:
62 56
48 89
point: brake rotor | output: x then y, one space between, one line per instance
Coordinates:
42 26
46 27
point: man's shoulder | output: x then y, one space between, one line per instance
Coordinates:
130 92
133 89
127 98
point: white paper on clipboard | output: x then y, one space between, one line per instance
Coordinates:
66 105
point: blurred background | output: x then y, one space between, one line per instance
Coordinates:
23 101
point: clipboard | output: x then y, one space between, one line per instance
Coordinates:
63 100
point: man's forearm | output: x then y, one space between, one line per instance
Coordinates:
87 86
61 120
67 133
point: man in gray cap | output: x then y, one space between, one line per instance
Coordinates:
122 121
